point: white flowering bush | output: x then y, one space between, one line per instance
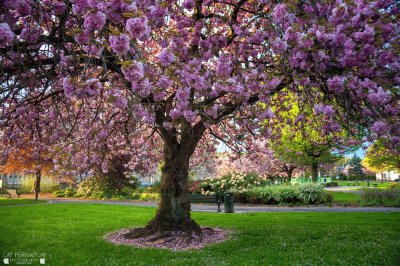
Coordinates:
234 181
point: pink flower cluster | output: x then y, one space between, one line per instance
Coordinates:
87 90
22 7
138 28
378 96
380 128
6 34
134 72
326 110
166 57
94 20
336 84
119 44
93 49
224 66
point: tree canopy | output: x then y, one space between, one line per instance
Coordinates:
381 158
165 79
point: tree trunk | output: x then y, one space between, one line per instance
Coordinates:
314 172
289 175
174 208
38 177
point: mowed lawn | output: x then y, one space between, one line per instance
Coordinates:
345 197
7 201
72 234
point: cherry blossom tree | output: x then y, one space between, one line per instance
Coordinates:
148 78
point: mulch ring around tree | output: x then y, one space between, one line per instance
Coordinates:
172 240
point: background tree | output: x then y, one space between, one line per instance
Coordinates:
23 161
173 72
356 169
382 158
304 141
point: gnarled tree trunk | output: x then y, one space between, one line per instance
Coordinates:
173 213
174 209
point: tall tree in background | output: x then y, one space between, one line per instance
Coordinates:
356 169
128 73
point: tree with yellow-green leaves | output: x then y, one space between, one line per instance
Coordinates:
382 158
303 139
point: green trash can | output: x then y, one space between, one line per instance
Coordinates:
228 202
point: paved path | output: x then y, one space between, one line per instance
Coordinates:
238 208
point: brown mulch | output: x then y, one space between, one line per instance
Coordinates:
172 241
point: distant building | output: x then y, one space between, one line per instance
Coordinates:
12 180
387 175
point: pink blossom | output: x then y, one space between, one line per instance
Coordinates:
30 33
378 96
119 44
82 37
22 7
279 13
279 46
134 72
166 57
138 27
324 109
93 49
94 21
6 34
189 4
224 66
175 113
380 128
336 84
68 87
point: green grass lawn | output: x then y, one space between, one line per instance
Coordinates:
345 197
72 234
364 183
7 201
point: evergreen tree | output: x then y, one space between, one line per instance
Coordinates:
356 168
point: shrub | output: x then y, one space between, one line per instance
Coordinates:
149 196
394 186
311 193
88 187
46 185
145 196
236 181
134 182
331 184
68 192
380 197
262 195
285 194
126 192
154 188
58 193
329 197
92 188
